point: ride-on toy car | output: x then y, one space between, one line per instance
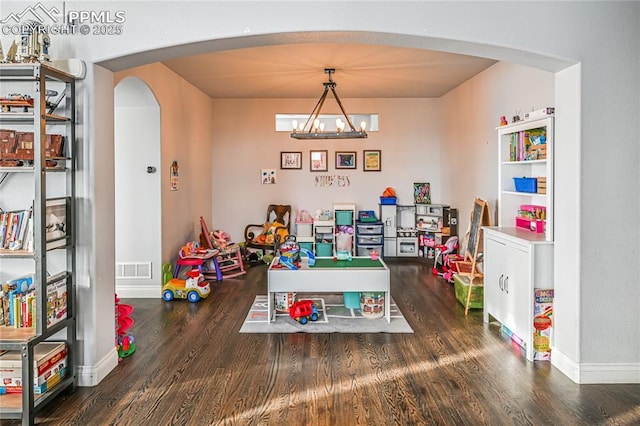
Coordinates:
193 288
303 311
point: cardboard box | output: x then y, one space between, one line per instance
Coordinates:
45 355
542 324
542 185
42 383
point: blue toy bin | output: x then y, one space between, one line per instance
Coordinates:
388 200
525 184
352 300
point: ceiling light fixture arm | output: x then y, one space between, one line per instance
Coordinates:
314 129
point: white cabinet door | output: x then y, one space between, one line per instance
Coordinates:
517 289
388 218
494 271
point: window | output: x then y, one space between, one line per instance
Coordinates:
283 121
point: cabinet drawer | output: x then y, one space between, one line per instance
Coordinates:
369 229
370 239
324 230
366 250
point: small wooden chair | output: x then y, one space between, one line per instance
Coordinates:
228 259
280 213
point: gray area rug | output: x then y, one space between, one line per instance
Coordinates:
334 318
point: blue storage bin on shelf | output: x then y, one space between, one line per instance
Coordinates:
308 246
324 249
388 200
525 184
344 217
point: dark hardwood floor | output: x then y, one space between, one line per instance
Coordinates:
193 367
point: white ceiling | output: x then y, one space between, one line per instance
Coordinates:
297 71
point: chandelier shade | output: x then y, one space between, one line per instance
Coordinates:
313 128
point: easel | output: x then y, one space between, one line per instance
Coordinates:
480 216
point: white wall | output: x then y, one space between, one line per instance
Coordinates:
137 203
603 36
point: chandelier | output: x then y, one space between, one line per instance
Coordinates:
313 128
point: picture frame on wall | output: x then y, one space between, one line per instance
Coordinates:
290 160
346 159
422 193
371 161
318 161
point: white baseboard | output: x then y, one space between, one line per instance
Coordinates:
138 291
91 375
596 373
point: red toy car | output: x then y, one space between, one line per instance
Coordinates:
303 311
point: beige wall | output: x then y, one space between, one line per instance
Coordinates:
245 142
470 114
186 136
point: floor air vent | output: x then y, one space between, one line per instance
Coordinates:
133 271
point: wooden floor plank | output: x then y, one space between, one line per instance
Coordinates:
193 367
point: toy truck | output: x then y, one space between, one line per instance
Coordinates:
303 311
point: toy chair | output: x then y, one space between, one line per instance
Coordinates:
267 236
228 260
440 263
204 261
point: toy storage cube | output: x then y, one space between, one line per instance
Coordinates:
308 246
324 249
352 300
344 218
303 229
461 284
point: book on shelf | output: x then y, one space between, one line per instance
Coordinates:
13 229
17 298
16 227
524 145
56 298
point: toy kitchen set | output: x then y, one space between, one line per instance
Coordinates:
416 230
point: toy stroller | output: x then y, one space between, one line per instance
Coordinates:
444 255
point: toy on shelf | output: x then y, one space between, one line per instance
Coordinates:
303 311
374 254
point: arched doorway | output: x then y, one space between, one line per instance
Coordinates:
138 225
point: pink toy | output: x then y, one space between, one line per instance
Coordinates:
374 255
221 239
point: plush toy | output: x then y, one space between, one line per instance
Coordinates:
220 239
269 233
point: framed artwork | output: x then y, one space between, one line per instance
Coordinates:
268 176
290 160
372 160
422 193
318 161
345 160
